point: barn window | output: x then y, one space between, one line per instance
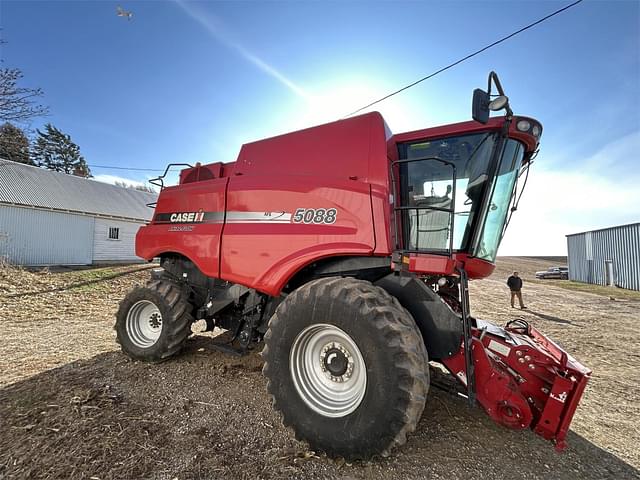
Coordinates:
114 233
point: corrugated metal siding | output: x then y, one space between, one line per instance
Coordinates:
38 237
123 249
590 251
32 186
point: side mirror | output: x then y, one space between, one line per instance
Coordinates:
482 103
480 106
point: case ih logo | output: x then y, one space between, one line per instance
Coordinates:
187 217
180 217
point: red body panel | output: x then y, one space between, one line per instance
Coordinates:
199 242
262 254
341 165
494 124
443 265
381 207
355 148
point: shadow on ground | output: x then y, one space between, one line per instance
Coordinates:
206 415
83 283
550 318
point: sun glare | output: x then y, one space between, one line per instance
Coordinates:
336 101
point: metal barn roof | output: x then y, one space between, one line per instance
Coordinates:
606 228
30 186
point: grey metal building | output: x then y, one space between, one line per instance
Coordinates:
609 256
50 218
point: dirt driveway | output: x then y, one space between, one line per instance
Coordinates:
206 414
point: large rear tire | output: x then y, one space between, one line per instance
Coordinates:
347 367
153 322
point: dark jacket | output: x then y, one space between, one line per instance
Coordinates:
515 283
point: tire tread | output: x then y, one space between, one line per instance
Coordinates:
176 325
389 320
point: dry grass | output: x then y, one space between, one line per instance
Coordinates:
50 319
616 293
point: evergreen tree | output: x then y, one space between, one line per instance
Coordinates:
14 144
55 150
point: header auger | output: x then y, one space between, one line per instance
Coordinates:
347 251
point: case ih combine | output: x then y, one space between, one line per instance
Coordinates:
347 250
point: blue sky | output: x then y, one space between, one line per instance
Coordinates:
192 81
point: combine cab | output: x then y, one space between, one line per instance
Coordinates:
347 251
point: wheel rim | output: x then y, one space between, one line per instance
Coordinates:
144 324
328 370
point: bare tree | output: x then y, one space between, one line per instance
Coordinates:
18 104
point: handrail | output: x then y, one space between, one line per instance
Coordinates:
159 181
467 338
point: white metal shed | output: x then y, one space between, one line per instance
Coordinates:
608 256
51 218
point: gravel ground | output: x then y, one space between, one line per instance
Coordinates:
206 414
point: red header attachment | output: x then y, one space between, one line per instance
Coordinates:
523 378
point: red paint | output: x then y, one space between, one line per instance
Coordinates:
381 211
476 267
495 124
443 265
355 147
536 385
264 256
201 245
432 264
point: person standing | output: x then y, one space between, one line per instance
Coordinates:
515 285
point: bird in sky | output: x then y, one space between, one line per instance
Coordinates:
121 12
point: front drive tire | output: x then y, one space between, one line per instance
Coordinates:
347 367
153 322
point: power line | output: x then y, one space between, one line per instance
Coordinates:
113 167
467 57
127 168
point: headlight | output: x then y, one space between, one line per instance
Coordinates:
523 126
536 131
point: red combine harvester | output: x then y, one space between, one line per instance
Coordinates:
347 250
